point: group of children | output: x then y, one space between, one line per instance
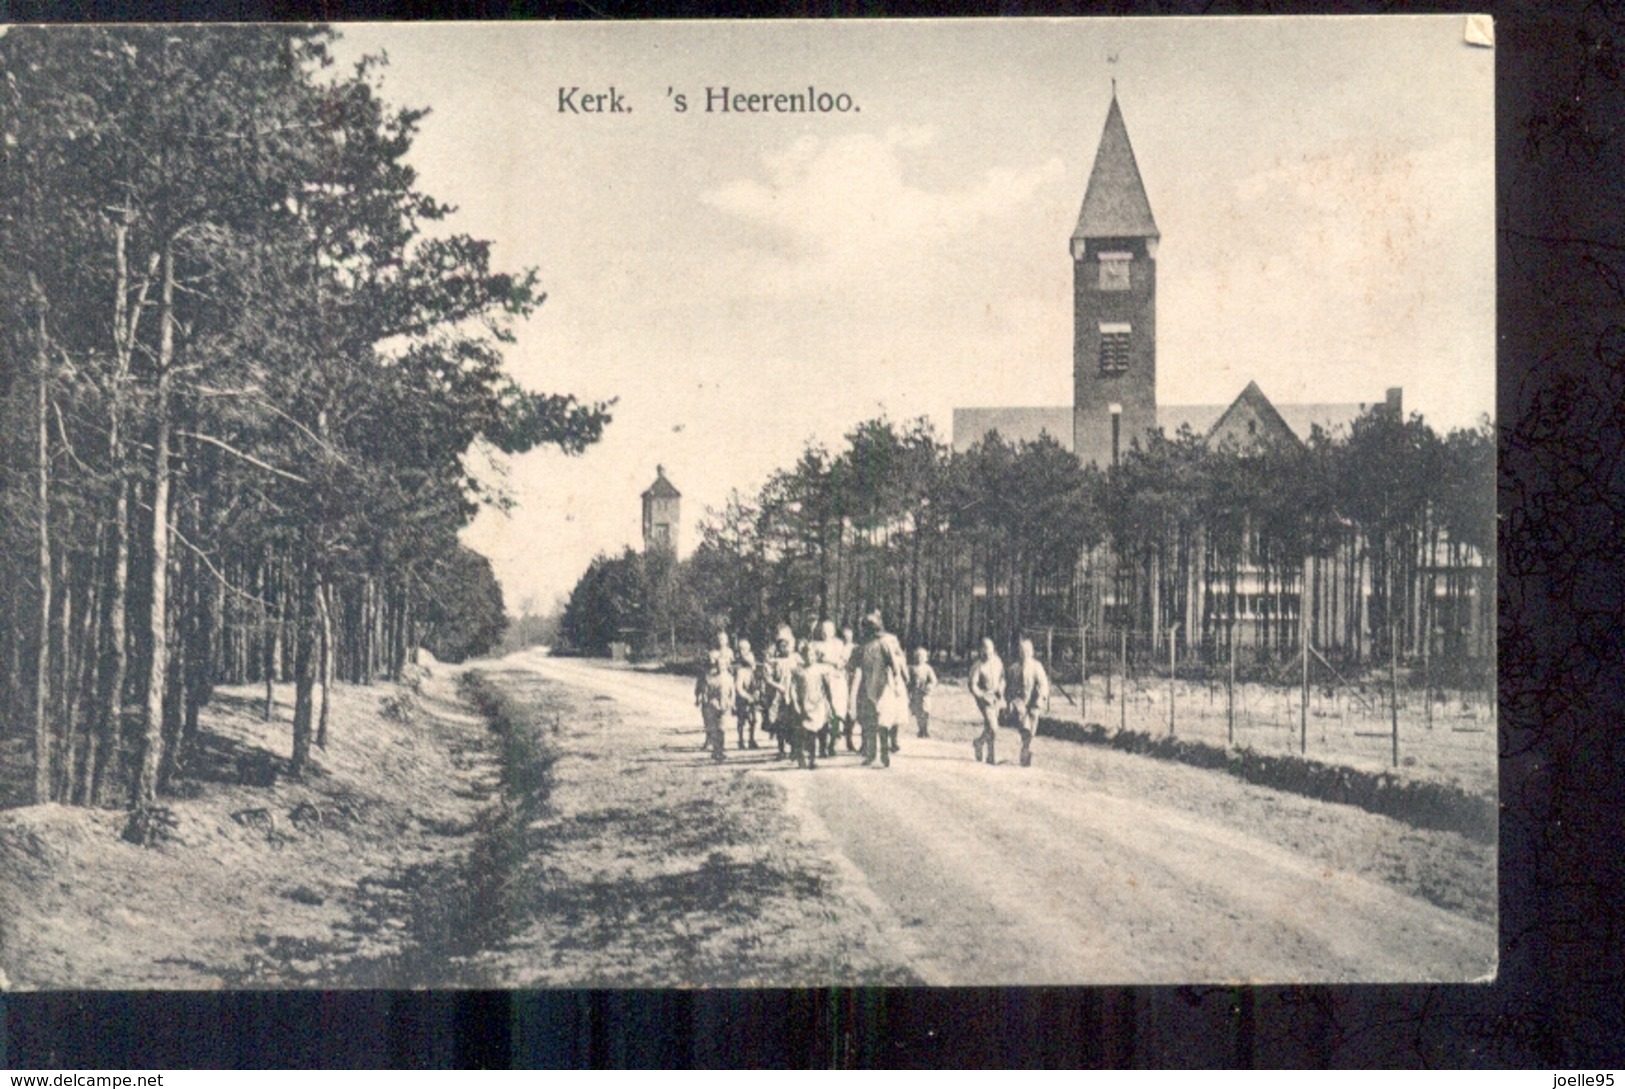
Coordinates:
806 695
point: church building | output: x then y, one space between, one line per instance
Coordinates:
1113 250
1114 340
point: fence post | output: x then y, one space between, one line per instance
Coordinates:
1427 641
1122 695
1303 637
1393 689
1108 677
1172 643
1083 674
1393 665
1230 688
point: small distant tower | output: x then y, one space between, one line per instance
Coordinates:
661 507
1114 262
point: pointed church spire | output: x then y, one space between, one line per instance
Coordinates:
1115 204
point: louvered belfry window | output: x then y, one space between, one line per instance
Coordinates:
1114 338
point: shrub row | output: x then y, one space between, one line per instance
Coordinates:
527 759
1416 802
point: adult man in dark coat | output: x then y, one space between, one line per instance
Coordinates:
882 695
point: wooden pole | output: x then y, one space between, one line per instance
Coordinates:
1427 641
1171 665
1303 638
1108 679
1393 670
1083 673
1122 701
1393 695
1230 688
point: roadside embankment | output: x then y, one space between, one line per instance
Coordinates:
1420 803
346 877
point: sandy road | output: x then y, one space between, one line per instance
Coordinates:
1005 875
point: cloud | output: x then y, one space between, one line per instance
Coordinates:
1354 268
1377 210
828 210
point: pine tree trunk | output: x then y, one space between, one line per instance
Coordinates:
182 602
115 663
408 653
88 686
175 668
268 652
146 784
326 667
67 659
375 627
42 481
115 652
304 676
200 638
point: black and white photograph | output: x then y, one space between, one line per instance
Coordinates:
748 505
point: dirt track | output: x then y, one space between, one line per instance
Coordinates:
404 860
1090 867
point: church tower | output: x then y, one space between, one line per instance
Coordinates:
1114 269
661 502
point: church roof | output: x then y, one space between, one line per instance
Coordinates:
661 488
1199 418
1330 417
1251 400
1115 204
1028 424
1301 418
1014 425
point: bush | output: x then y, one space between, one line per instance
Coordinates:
399 707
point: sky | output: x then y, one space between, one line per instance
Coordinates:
744 284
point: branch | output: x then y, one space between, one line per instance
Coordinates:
250 458
213 570
322 443
62 431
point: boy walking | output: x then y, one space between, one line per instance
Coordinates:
987 688
1026 688
922 680
714 695
810 705
744 674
